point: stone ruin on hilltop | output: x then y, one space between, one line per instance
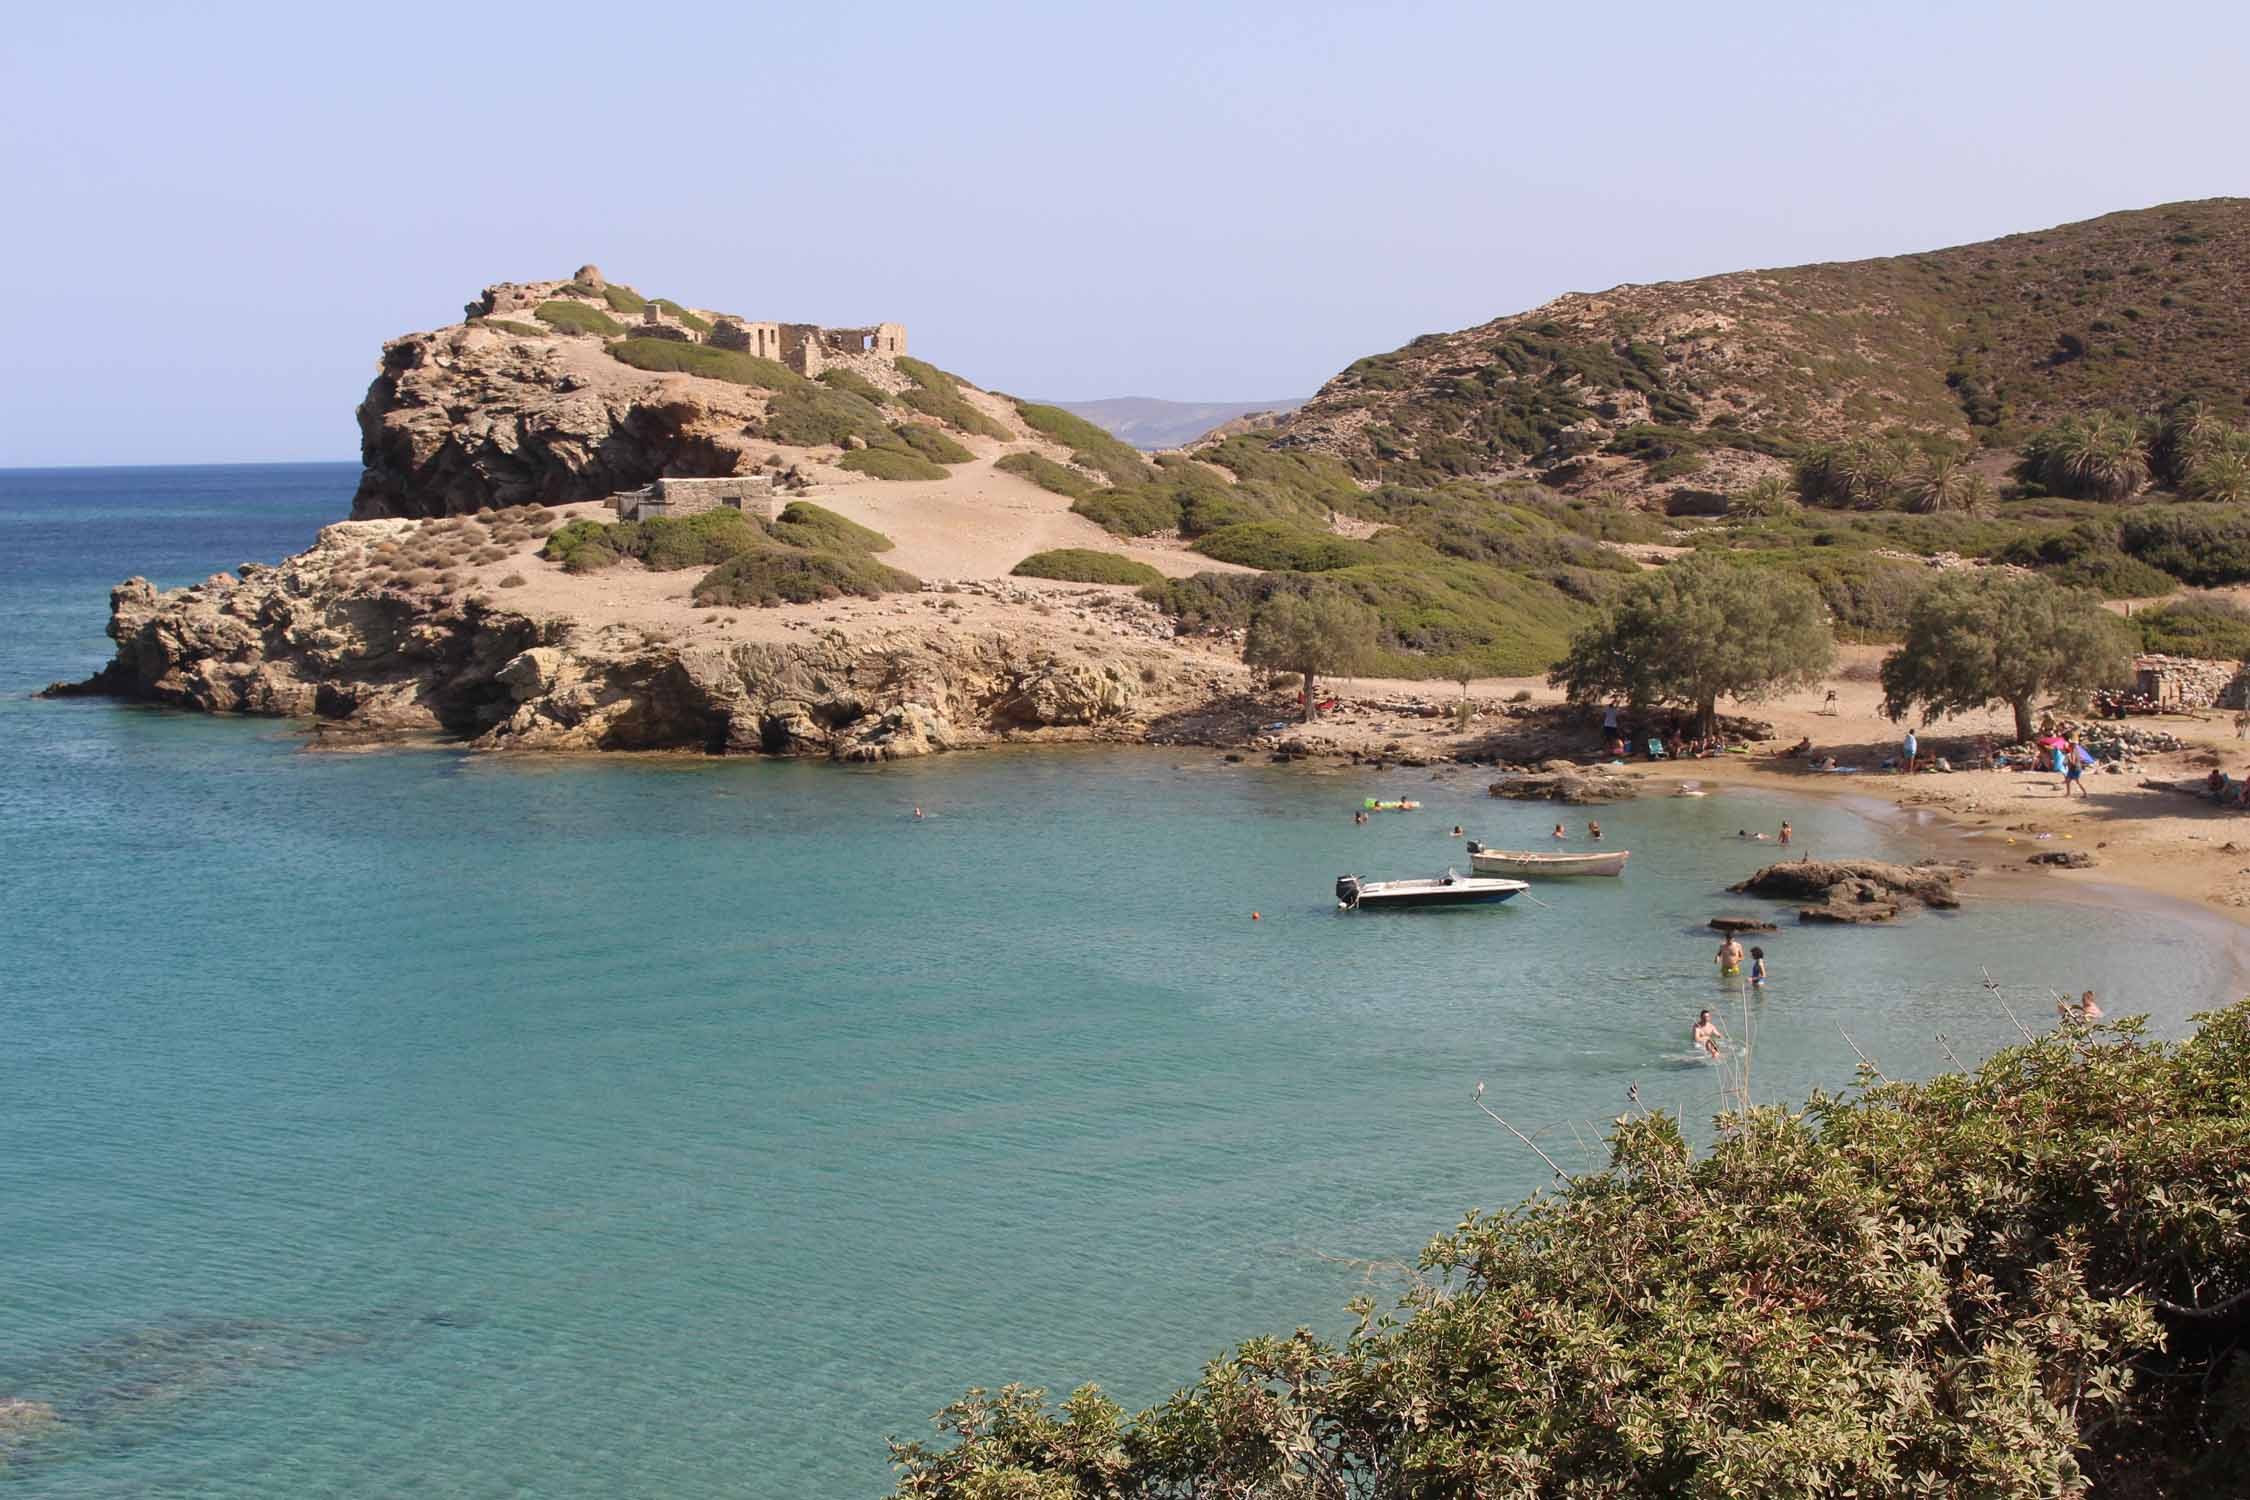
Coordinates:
806 348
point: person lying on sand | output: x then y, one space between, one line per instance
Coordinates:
1707 1034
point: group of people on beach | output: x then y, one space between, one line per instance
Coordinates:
1670 743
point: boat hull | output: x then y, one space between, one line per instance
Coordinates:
1401 895
1524 864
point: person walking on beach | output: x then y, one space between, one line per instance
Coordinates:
1729 956
1707 1034
1913 751
1757 968
2075 760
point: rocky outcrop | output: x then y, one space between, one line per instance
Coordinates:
1742 924
2063 859
473 417
1563 781
1857 890
313 639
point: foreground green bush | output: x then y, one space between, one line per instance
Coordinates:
2206 625
890 463
1048 474
1092 447
2204 545
804 524
577 317
1085 565
665 356
1278 546
931 443
665 543
771 576
2016 1282
807 414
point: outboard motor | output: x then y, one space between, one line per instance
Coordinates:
1475 847
1347 892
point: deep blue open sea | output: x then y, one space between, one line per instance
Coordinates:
421 1122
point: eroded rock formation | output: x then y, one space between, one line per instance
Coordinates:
1855 890
312 639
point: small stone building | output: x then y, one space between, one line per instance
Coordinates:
2189 682
751 494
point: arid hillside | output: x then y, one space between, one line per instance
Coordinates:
1715 381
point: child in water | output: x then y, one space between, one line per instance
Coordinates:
1594 831
1757 968
1559 833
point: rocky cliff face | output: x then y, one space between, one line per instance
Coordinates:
312 639
474 417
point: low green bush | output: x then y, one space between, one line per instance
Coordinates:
890 463
1133 511
520 330
1048 474
682 316
667 356
859 385
810 415
665 543
953 410
1280 547
2202 625
771 576
624 299
1091 447
2203 545
804 524
931 443
1085 565
577 317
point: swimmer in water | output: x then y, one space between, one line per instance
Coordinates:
1559 833
1757 968
1456 830
2085 1012
1729 957
1594 832
917 812
1785 830
1707 1034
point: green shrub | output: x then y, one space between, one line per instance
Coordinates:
890 463
624 299
684 317
520 330
771 576
1085 565
1048 474
575 537
577 317
2087 458
2202 625
1091 447
804 524
2022 1280
1279 547
669 543
809 415
954 410
932 444
1134 511
2204 545
667 356
859 385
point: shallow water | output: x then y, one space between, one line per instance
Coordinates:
641 1126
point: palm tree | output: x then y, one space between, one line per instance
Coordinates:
2189 427
1770 496
2089 459
2220 472
1945 484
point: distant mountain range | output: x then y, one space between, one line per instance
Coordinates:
1148 423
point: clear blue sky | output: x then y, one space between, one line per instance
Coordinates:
217 213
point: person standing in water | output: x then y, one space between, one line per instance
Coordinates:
1785 830
1707 1034
1757 968
1559 833
1729 956
1594 832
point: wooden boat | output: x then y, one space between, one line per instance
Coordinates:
1535 864
1449 889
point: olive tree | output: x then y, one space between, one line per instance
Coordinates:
1315 633
1976 639
1697 631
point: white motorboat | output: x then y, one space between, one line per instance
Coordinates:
1449 889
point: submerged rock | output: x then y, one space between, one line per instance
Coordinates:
1572 784
1742 924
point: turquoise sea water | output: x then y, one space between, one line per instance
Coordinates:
424 1122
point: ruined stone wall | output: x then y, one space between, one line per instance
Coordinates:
801 348
2189 682
751 494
